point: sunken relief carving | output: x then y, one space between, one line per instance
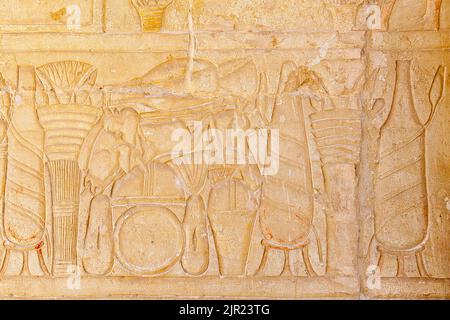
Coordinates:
286 217
115 175
401 175
66 118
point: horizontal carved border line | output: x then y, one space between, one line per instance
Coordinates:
343 44
235 287
179 287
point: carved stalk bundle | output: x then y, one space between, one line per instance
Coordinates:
65 181
337 134
66 123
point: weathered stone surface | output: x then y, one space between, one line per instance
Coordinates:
345 194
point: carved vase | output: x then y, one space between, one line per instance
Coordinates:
401 199
232 211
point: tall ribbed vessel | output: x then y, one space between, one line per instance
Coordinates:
401 198
287 209
24 213
401 211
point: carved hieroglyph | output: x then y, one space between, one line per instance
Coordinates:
225 149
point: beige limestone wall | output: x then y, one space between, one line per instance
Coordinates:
93 205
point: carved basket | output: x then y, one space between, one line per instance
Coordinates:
151 14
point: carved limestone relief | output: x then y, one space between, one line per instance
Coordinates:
224 149
402 149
